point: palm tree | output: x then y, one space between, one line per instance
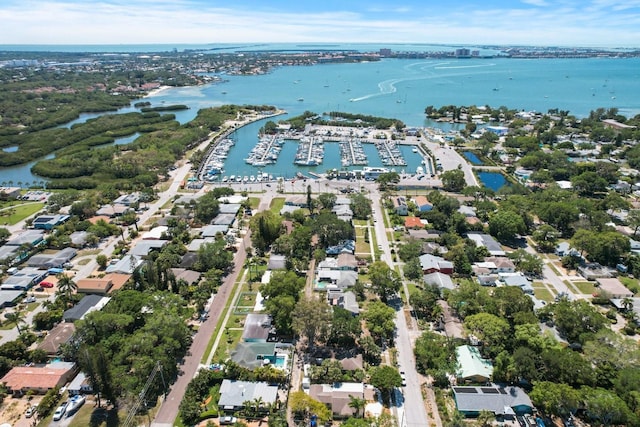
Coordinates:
357 404
16 317
66 286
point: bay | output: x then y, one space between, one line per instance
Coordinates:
402 88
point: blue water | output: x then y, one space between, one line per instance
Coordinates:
492 180
472 158
402 89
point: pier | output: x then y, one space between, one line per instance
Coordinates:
266 151
390 153
310 152
352 153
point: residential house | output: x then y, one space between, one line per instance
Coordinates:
517 279
230 208
432 264
343 299
593 271
85 306
467 211
348 247
7 193
277 262
338 396
253 354
257 327
156 233
423 234
212 230
400 205
482 239
94 286
26 237
224 219
433 248
38 379
79 385
501 401
144 247
59 335
341 279
298 201
127 199
112 211
347 261
126 265
48 222
10 297
423 204
472 366
190 277
413 222
564 249
234 394
79 239
55 260
442 281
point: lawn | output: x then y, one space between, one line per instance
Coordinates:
276 204
18 213
543 294
632 284
229 340
88 415
254 202
585 287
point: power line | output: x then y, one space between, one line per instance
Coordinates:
136 405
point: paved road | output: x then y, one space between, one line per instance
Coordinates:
169 409
410 410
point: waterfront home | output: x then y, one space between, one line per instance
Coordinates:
256 327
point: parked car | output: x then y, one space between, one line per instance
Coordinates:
227 420
60 411
30 411
30 299
46 285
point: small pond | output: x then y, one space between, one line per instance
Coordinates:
471 157
492 180
11 149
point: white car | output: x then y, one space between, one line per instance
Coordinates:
228 420
60 411
404 378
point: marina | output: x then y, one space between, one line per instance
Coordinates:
310 152
266 151
352 153
217 158
390 153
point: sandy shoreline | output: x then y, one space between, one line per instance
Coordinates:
157 91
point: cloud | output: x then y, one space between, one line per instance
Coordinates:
565 22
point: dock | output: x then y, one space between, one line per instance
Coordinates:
310 152
390 153
352 153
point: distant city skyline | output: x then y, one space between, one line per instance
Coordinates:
588 23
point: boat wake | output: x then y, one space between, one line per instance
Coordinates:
388 87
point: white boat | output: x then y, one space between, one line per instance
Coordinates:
252 178
74 404
232 178
245 178
415 150
225 179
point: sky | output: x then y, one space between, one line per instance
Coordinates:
596 23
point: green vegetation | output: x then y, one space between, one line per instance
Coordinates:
18 213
